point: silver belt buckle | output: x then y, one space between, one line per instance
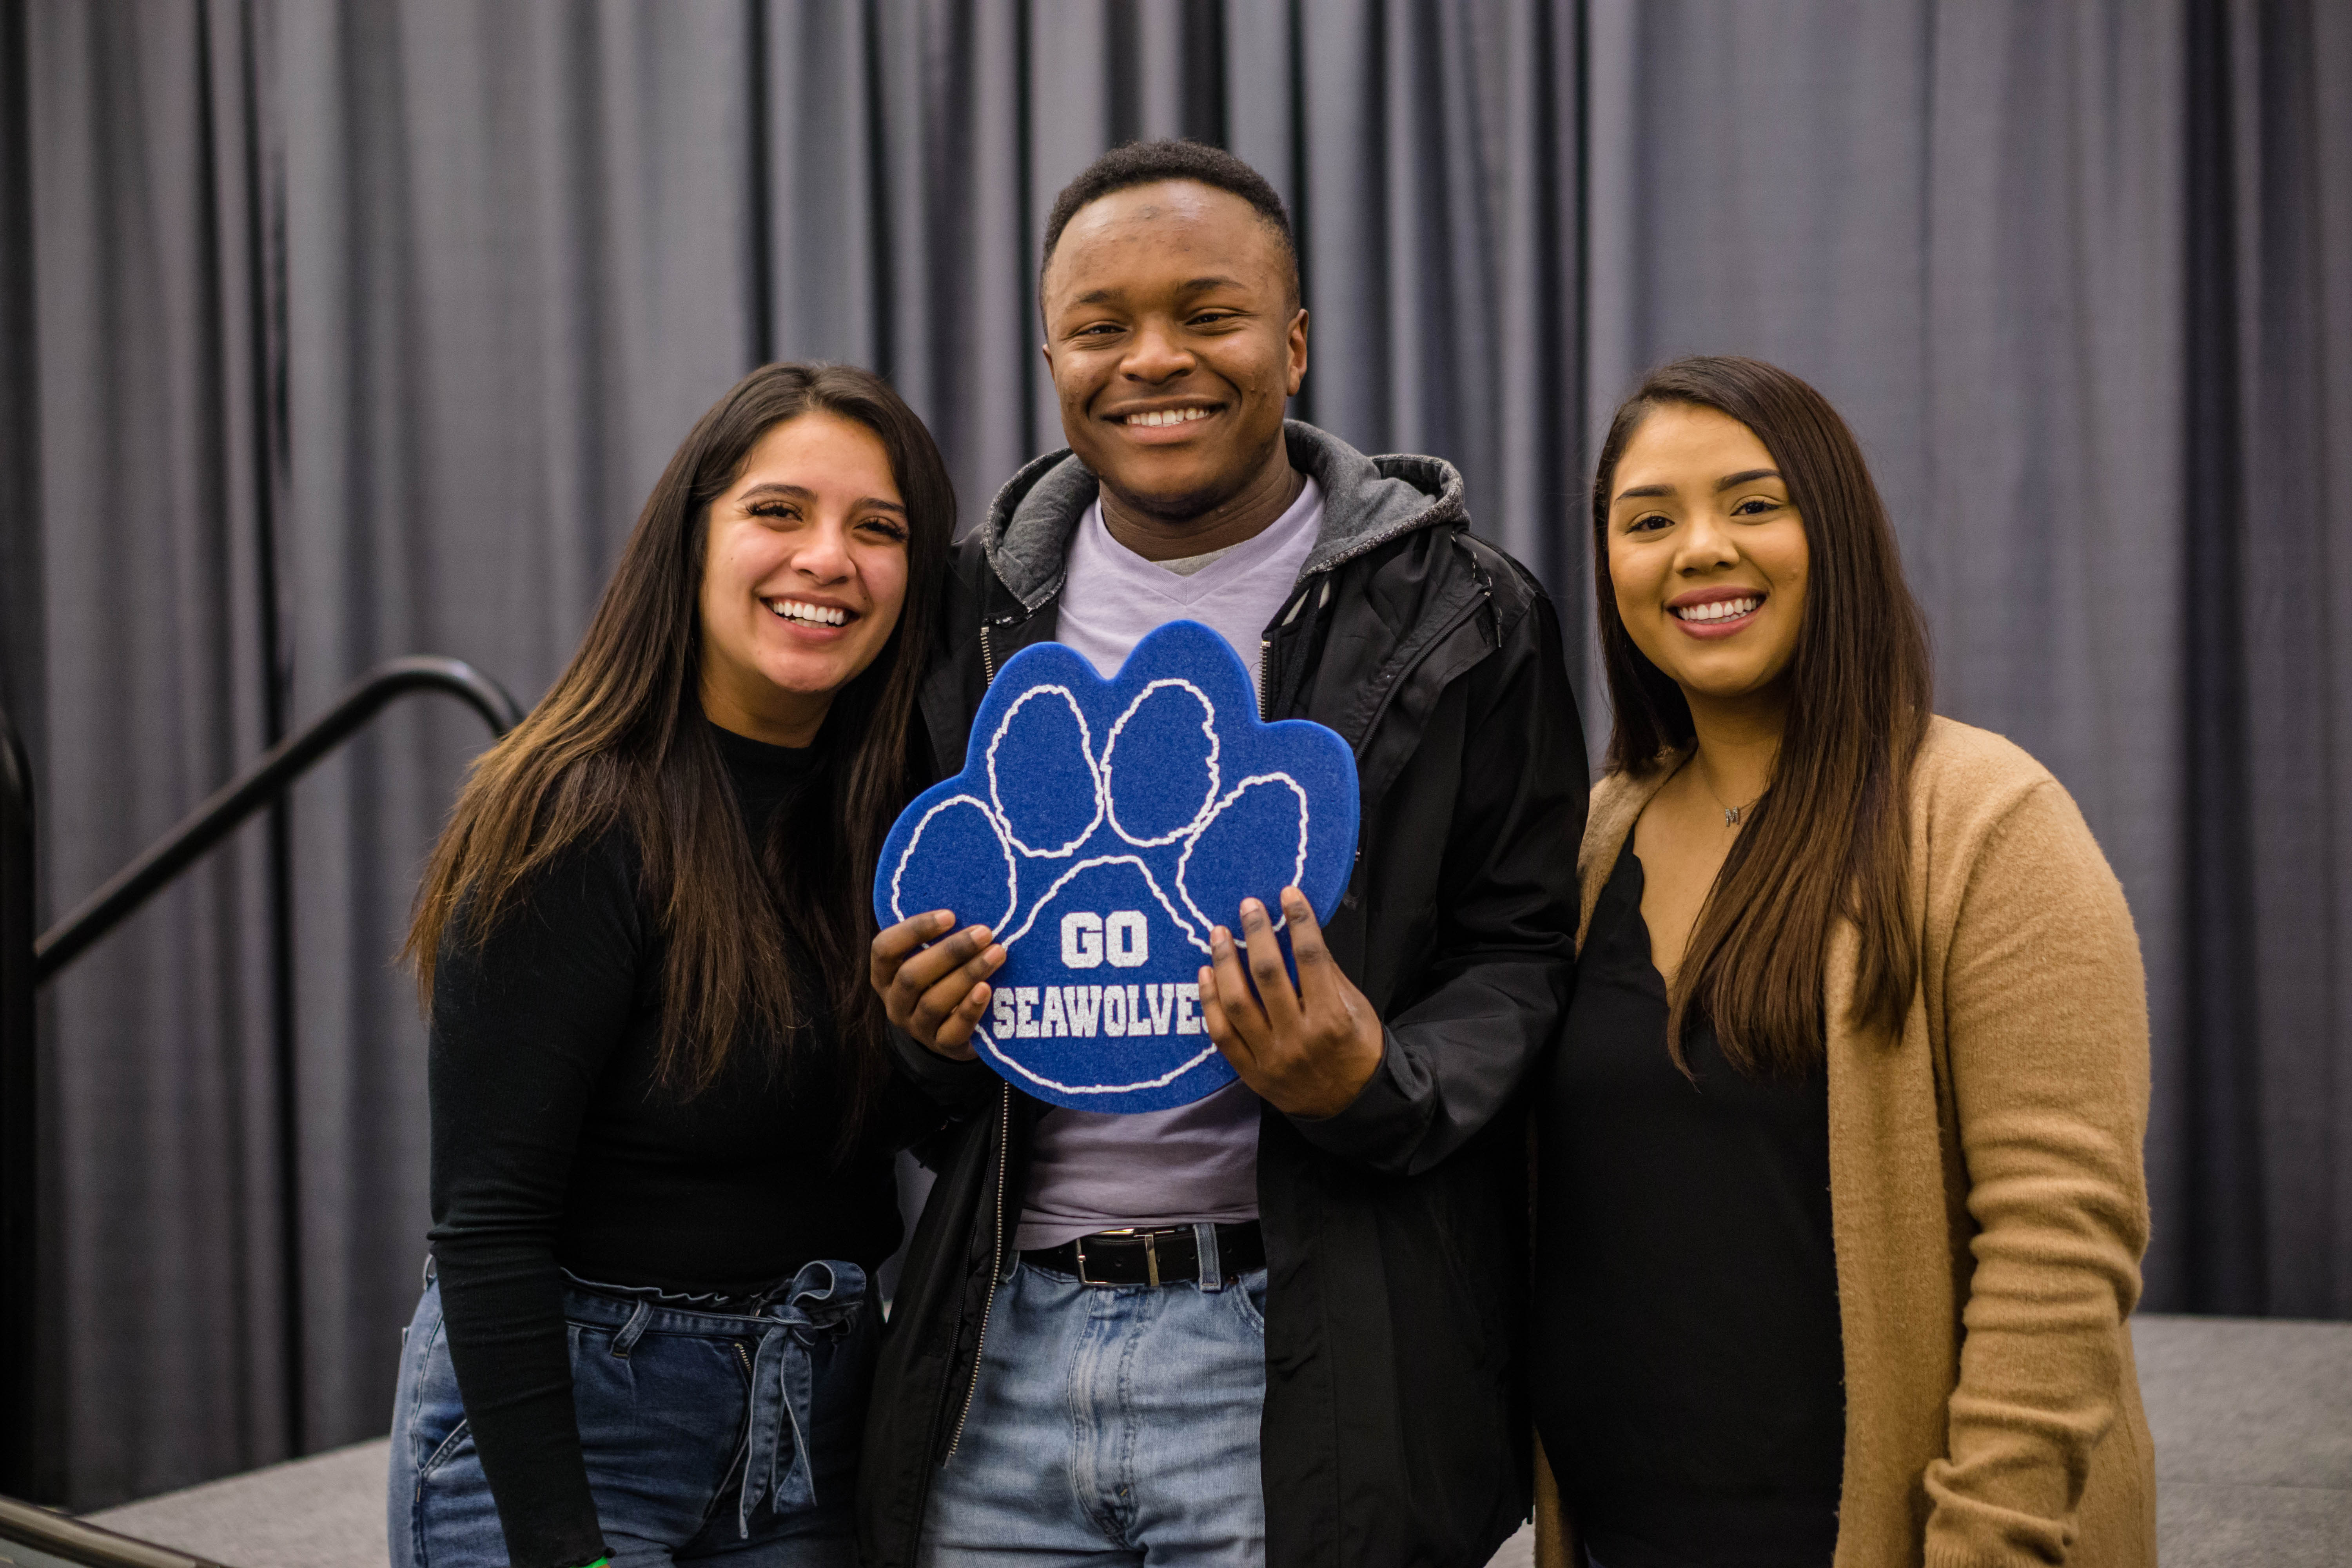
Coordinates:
1151 1257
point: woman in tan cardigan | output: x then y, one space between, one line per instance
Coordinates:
1840 1205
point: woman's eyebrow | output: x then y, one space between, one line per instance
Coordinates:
803 493
1743 476
1648 490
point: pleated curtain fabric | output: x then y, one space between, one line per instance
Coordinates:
160 1344
336 331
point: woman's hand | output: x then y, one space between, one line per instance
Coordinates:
1310 1050
939 993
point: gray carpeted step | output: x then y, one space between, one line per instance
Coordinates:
2253 1452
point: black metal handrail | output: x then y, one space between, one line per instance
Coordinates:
26 962
63 1540
252 790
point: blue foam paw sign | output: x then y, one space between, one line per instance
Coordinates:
1101 828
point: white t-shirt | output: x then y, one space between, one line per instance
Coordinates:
1089 1171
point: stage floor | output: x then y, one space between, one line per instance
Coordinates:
2254 1457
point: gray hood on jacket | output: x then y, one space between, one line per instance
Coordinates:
1367 501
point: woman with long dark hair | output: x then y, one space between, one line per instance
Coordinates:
661 1164
1841 1205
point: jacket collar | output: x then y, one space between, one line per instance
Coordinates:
1367 501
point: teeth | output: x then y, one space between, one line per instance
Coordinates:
1169 416
811 615
1721 610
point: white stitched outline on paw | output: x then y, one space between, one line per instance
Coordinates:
1216 745
1089 864
1085 750
1162 1081
1297 870
1004 842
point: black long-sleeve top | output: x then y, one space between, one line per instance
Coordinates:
556 1148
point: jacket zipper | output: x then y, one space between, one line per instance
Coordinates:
1265 643
987 658
995 1269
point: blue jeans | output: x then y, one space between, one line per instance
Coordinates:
1110 1424
710 1436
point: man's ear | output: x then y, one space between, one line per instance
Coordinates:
1297 341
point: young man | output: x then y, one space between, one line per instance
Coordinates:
1315 1357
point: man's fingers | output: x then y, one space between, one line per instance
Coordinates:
1316 969
926 969
1266 966
1222 1032
952 993
1232 993
887 967
953 1037
892 945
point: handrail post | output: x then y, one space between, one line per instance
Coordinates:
20 1157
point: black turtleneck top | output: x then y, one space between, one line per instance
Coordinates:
555 1148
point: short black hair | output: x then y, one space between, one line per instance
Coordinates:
1136 163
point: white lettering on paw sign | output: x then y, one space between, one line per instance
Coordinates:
1124 937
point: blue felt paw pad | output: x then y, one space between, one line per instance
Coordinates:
1101 827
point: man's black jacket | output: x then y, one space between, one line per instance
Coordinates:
1396 1428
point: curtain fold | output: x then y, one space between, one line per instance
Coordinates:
357 329
153 476
2260 1125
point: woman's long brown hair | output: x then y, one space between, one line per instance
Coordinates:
1831 838
620 741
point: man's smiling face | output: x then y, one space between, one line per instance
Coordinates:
1175 339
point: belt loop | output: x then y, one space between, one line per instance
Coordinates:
627 1340
1204 1244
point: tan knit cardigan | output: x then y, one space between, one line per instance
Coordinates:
1986 1196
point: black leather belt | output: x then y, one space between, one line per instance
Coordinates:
1166 1255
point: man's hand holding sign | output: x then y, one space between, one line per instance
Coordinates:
1306 1049
939 992
1118 826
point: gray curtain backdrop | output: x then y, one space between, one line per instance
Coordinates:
332 331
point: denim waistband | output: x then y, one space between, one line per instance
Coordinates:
824 1292
822 1301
